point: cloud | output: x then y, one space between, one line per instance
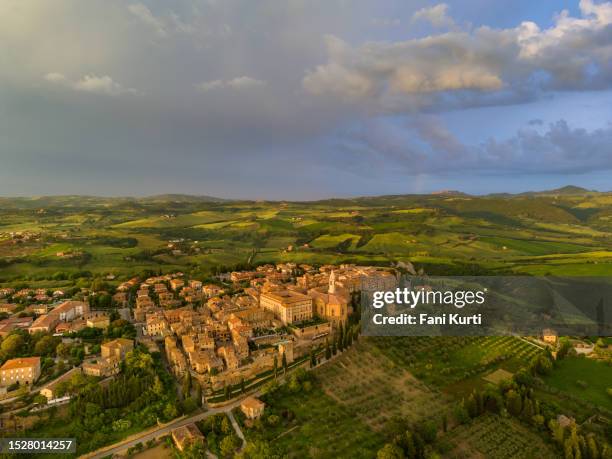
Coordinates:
101 85
425 146
436 15
314 89
55 77
463 67
146 16
90 83
243 82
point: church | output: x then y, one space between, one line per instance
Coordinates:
331 303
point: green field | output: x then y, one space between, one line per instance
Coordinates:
585 379
547 233
456 364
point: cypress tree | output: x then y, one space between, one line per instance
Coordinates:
199 394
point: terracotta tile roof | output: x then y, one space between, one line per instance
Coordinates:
23 362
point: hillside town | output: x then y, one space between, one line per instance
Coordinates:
231 331
222 333
202 350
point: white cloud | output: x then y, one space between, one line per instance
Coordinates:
465 67
90 83
436 15
101 85
243 82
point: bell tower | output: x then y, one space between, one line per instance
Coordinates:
332 283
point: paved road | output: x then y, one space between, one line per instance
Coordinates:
236 427
157 432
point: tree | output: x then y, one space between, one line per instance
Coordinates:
328 352
407 441
294 384
341 337
428 431
557 431
334 349
62 388
195 450
471 406
313 358
40 399
273 420
227 392
461 414
390 451
258 449
12 346
275 366
284 363
542 365
229 445
226 426
242 388
565 348
45 346
513 402
593 448
187 384
199 394
62 350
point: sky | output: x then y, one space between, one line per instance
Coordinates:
292 99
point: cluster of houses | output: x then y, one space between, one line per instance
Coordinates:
25 371
280 310
220 339
43 310
65 317
19 237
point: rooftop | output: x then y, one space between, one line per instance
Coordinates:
22 362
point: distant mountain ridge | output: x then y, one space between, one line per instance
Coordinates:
75 200
565 190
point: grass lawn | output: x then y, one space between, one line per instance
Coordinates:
583 378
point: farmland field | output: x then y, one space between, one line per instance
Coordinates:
360 393
496 438
350 405
539 233
456 364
